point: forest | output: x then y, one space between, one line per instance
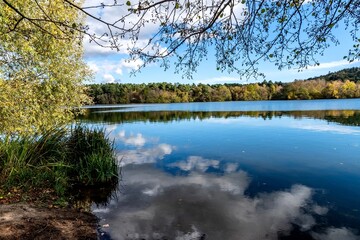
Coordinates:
337 85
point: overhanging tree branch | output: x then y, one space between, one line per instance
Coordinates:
289 33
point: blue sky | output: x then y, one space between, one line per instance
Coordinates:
111 66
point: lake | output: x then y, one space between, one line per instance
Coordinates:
233 170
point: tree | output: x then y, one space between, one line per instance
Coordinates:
332 90
41 66
242 32
221 93
348 89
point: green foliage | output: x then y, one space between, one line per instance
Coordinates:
92 155
97 167
58 159
318 88
179 34
351 74
41 67
32 150
33 160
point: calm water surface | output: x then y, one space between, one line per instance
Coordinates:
234 170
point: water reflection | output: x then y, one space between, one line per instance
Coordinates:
335 234
304 124
141 156
159 205
204 198
85 197
200 164
234 175
135 140
343 117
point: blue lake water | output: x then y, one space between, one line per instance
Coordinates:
234 170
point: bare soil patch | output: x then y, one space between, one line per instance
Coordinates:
25 221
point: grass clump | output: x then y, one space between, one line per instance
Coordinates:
92 155
57 160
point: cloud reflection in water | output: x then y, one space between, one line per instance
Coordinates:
155 204
336 234
196 163
147 155
135 140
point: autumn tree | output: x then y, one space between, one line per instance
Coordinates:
41 66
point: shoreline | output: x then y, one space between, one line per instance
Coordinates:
30 221
39 180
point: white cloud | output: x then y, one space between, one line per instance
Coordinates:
93 66
129 65
148 27
119 71
142 156
231 167
108 78
111 15
320 210
333 64
93 49
196 163
135 140
122 134
189 206
107 69
336 234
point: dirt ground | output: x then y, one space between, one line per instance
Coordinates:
24 221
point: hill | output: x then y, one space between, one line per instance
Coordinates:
351 74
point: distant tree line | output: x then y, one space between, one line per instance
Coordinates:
344 117
342 84
113 93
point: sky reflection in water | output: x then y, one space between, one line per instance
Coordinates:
236 178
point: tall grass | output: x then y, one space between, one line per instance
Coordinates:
92 155
58 159
35 160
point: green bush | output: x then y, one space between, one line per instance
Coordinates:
58 159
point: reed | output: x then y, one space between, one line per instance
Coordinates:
92 155
58 159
